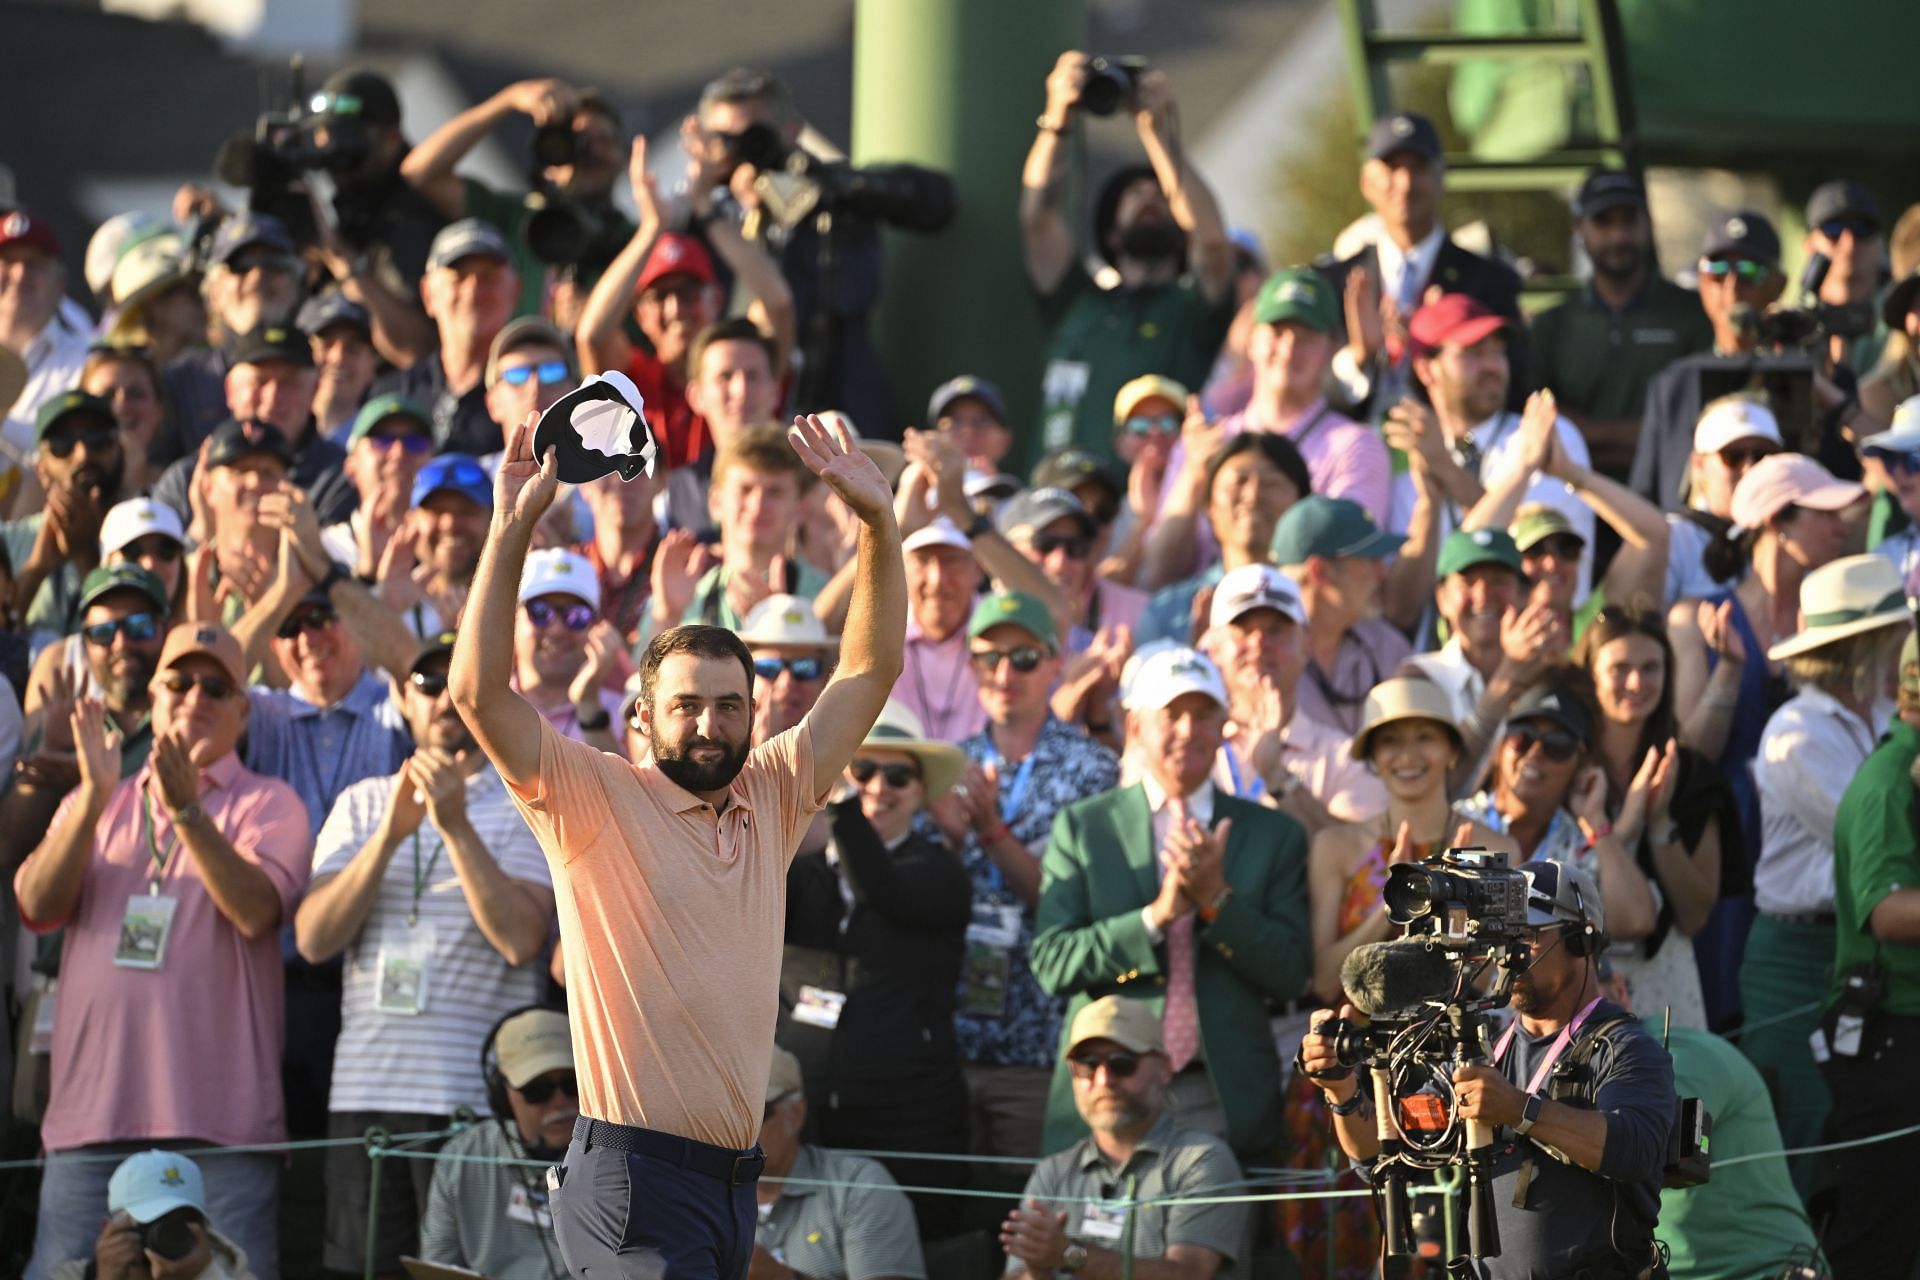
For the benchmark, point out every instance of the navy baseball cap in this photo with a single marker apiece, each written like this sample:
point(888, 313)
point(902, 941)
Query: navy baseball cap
point(246, 229)
point(465, 238)
point(357, 93)
point(455, 472)
point(324, 310)
point(1843, 199)
point(1403, 131)
point(961, 387)
point(1609, 189)
point(1746, 233)
point(231, 441)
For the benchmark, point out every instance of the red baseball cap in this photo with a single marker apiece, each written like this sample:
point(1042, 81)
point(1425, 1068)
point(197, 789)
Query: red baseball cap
point(676, 254)
point(1453, 317)
point(21, 227)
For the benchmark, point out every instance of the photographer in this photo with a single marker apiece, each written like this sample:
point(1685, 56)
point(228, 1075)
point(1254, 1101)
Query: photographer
point(1159, 228)
point(1576, 1182)
point(578, 144)
point(157, 1226)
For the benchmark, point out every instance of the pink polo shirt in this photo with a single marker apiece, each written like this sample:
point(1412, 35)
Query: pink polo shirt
point(192, 1049)
point(937, 684)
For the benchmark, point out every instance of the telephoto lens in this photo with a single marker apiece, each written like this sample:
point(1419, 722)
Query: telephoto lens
point(1110, 82)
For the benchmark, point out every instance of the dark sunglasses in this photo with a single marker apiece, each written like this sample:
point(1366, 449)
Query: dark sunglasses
point(550, 372)
point(1145, 425)
point(1077, 546)
point(1119, 1064)
point(898, 776)
point(1738, 459)
point(798, 668)
point(410, 441)
point(1749, 271)
point(1907, 461)
point(1556, 745)
point(318, 618)
point(283, 263)
point(157, 545)
point(577, 617)
point(135, 626)
point(1834, 228)
point(1023, 657)
point(182, 682)
point(431, 685)
point(543, 1089)
point(96, 439)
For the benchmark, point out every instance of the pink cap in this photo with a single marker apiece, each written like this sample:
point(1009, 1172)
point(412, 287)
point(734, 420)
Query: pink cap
point(1452, 317)
point(1782, 480)
point(676, 254)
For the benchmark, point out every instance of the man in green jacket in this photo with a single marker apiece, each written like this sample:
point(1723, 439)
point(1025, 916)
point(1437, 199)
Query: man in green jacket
point(1187, 899)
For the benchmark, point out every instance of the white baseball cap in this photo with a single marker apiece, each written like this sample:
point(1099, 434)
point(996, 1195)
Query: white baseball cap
point(1172, 672)
point(557, 571)
point(1903, 433)
point(940, 532)
point(151, 1184)
point(1734, 418)
point(786, 621)
point(1255, 586)
point(134, 519)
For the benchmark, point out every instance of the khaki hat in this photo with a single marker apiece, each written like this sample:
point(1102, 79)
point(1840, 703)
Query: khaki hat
point(785, 1078)
point(787, 622)
point(1128, 1023)
point(204, 637)
point(1535, 522)
point(1849, 596)
point(1403, 698)
point(532, 1043)
point(143, 272)
point(1145, 387)
point(898, 729)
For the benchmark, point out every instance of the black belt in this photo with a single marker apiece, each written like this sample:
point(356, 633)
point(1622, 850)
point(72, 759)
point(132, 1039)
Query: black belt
point(1801, 917)
point(731, 1167)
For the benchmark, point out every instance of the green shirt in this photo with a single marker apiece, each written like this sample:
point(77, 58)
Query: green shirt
point(1598, 361)
point(54, 605)
point(1102, 339)
point(850, 1232)
point(1873, 854)
point(508, 213)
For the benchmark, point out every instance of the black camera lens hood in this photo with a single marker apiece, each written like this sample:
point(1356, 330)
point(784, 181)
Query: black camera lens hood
point(598, 428)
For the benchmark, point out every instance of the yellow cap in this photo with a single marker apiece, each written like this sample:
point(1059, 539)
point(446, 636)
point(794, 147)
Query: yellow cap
point(1144, 387)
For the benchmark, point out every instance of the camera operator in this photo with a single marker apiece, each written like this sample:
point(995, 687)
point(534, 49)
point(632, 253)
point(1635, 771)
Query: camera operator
point(1576, 1183)
point(578, 146)
point(1159, 228)
point(157, 1227)
point(1843, 225)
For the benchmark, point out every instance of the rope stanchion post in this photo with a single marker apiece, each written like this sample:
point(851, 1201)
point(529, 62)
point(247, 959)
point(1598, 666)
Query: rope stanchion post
point(377, 1141)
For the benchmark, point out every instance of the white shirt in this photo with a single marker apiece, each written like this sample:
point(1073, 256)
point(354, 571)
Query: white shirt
point(1687, 576)
point(54, 359)
point(1199, 809)
point(1809, 752)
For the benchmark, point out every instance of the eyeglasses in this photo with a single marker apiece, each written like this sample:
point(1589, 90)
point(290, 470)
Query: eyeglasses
point(1556, 745)
point(898, 776)
point(431, 685)
point(181, 683)
point(1119, 1064)
point(98, 438)
point(1146, 425)
point(1834, 228)
point(1023, 657)
point(1749, 271)
point(318, 618)
point(798, 668)
point(543, 1089)
point(550, 373)
point(157, 546)
point(280, 263)
point(577, 617)
point(1738, 459)
point(411, 441)
point(1907, 461)
point(136, 627)
point(1076, 546)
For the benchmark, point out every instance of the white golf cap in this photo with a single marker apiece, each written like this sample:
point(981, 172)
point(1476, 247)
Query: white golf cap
point(788, 622)
point(941, 532)
point(1171, 673)
point(1255, 586)
point(134, 519)
point(1732, 419)
point(151, 1184)
point(557, 571)
point(1903, 433)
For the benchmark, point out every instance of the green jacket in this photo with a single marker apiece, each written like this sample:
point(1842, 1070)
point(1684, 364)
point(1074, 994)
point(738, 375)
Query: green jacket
point(1089, 941)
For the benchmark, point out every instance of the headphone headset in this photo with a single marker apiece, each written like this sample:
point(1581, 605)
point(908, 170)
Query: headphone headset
point(1583, 937)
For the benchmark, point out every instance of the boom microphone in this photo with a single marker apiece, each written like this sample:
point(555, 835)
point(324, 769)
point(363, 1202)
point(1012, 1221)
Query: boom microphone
point(1384, 977)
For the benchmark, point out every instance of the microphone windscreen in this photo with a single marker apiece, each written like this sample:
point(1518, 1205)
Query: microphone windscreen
point(1385, 977)
point(234, 161)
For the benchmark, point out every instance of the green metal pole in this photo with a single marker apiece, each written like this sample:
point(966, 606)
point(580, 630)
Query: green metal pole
point(376, 1140)
point(956, 85)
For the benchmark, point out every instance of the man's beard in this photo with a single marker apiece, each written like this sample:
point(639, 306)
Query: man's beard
point(1153, 241)
point(104, 478)
point(122, 690)
point(1619, 264)
point(1128, 1115)
point(690, 775)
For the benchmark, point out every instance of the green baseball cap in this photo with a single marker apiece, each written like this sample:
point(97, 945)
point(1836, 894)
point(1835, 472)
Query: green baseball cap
point(1019, 609)
point(70, 402)
point(380, 408)
point(1331, 527)
point(1297, 294)
point(109, 578)
point(1536, 522)
point(1463, 550)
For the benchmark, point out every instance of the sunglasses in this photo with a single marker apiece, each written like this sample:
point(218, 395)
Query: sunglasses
point(1749, 271)
point(798, 668)
point(316, 619)
point(543, 1089)
point(1165, 424)
point(577, 617)
point(1738, 459)
point(135, 627)
point(898, 776)
point(431, 685)
point(98, 438)
point(1076, 546)
point(1834, 228)
point(1906, 461)
point(156, 546)
point(550, 373)
point(181, 683)
point(1119, 1064)
point(1556, 745)
point(283, 263)
point(410, 441)
point(1023, 657)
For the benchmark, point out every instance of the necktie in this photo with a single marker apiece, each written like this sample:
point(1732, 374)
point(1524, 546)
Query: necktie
point(1181, 1021)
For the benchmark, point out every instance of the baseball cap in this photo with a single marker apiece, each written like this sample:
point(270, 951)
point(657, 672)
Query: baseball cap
point(215, 642)
point(1071, 467)
point(233, 440)
point(149, 1185)
point(787, 622)
point(112, 238)
point(1561, 894)
point(330, 307)
point(1298, 294)
point(1843, 199)
point(1127, 1022)
point(457, 472)
point(1464, 549)
point(109, 578)
point(1536, 522)
point(439, 645)
point(1332, 527)
point(1787, 479)
point(995, 486)
point(1255, 586)
point(1903, 433)
point(1545, 702)
point(1171, 672)
point(532, 1043)
point(1731, 419)
point(465, 238)
point(380, 408)
point(1608, 189)
point(129, 521)
point(960, 388)
point(674, 253)
point(939, 532)
point(526, 331)
point(1746, 233)
point(1143, 388)
point(274, 342)
point(1453, 318)
point(1403, 131)
point(360, 94)
point(558, 571)
point(71, 402)
point(1035, 509)
point(1018, 609)
point(245, 229)
point(145, 271)
point(22, 228)
point(784, 1077)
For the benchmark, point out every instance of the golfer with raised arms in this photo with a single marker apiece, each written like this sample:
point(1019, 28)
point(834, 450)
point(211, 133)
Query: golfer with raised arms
point(670, 881)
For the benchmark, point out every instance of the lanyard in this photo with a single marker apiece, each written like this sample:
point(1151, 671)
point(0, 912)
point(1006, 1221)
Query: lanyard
point(421, 878)
point(1565, 1038)
point(153, 848)
point(1245, 791)
point(1014, 796)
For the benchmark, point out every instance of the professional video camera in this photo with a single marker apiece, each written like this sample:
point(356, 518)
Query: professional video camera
point(794, 185)
point(1110, 82)
point(1813, 321)
point(271, 159)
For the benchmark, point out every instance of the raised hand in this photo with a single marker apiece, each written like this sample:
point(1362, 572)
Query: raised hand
point(1366, 329)
point(1199, 441)
point(1539, 423)
point(1199, 856)
point(677, 566)
point(603, 644)
point(524, 486)
point(546, 101)
point(831, 454)
point(1588, 798)
point(1717, 628)
point(1403, 850)
point(97, 749)
point(1412, 428)
point(1649, 802)
point(406, 803)
point(443, 783)
point(176, 769)
point(646, 187)
point(289, 511)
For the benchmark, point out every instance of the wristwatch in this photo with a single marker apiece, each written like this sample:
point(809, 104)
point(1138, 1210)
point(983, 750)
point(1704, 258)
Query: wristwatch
point(1529, 1114)
point(1073, 1257)
point(594, 723)
point(187, 814)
